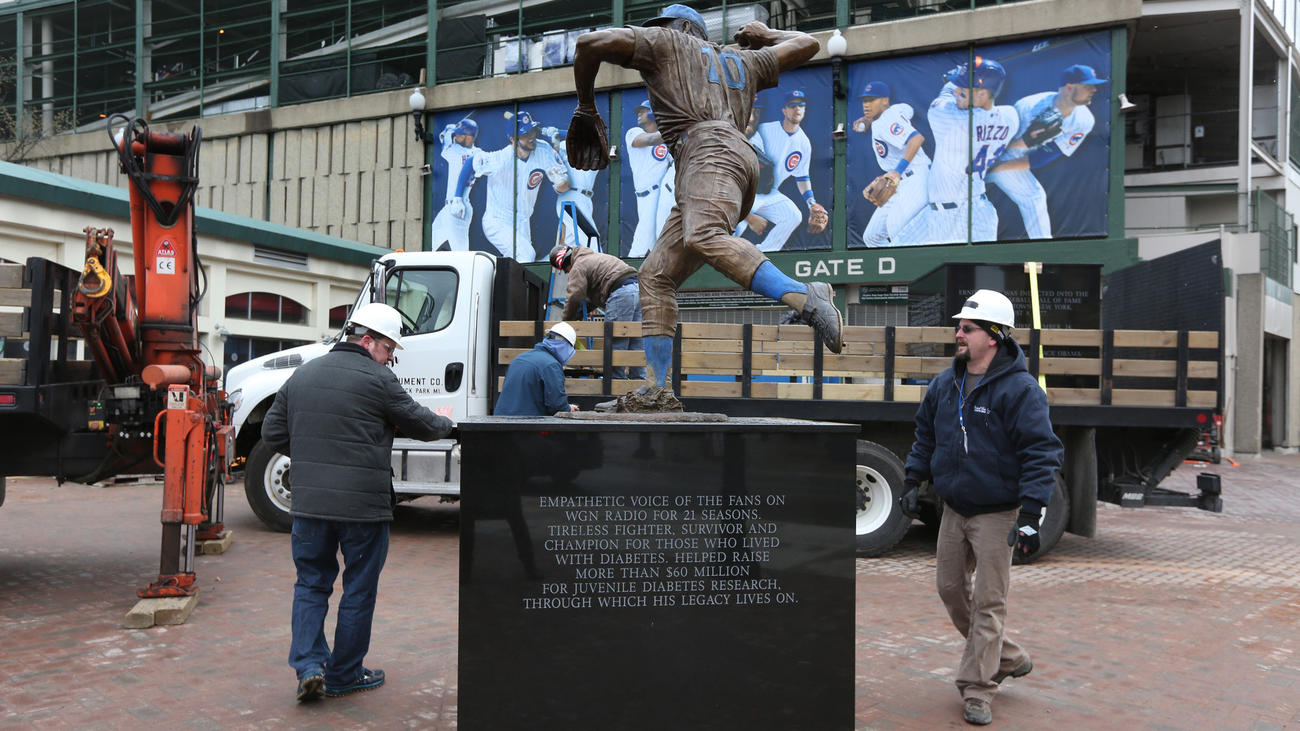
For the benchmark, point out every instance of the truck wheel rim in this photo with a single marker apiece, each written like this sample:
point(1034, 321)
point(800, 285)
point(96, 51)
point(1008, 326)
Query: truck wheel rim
point(276, 481)
point(874, 492)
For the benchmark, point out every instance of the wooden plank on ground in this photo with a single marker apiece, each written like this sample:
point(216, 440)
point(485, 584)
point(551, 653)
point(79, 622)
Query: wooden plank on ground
point(11, 276)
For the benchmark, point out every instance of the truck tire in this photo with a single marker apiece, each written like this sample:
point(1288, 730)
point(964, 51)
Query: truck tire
point(1053, 525)
point(266, 485)
point(881, 523)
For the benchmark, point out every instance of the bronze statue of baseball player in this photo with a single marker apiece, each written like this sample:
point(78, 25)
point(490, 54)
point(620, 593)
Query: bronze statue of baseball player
point(702, 94)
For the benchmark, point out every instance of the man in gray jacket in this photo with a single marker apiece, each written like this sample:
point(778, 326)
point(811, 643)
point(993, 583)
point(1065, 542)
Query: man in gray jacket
point(335, 419)
point(605, 281)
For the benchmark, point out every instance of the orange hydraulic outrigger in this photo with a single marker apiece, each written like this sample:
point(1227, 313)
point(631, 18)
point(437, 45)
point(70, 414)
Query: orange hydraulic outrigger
point(162, 399)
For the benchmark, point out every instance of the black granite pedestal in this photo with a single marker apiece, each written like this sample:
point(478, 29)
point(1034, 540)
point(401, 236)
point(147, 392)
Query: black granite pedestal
point(620, 575)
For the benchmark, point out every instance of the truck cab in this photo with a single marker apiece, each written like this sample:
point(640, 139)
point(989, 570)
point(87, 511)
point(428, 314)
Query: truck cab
point(445, 363)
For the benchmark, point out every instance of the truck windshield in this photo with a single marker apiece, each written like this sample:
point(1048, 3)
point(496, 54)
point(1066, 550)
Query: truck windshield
point(425, 297)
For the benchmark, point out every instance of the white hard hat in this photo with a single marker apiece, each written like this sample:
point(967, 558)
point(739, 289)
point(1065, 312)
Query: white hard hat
point(564, 330)
point(989, 306)
point(380, 318)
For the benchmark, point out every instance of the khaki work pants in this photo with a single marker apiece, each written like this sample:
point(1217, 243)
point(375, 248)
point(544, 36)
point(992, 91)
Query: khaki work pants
point(973, 574)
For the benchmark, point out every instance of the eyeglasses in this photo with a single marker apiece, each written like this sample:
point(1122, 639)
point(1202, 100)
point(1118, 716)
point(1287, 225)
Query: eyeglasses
point(966, 329)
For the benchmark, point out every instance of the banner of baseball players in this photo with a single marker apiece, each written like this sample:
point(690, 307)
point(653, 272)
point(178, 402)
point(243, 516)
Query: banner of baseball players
point(1005, 143)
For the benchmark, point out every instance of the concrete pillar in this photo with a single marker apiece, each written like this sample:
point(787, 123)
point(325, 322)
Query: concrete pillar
point(1292, 439)
point(1247, 395)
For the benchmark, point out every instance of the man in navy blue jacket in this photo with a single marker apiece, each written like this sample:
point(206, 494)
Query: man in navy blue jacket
point(534, 384)
point(984, 440)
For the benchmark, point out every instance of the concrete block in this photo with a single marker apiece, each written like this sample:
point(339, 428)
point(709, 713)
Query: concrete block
point(320, 201)
point(366, 199)
point(382, 187)
point(277, 143)
point(338, 136)
point(383, 145)
point(368, 139)
point(396, 194)
point(216, 545)
point(337, 205)
point(351, 147)
point(289, 149)
point(289, 213)
point(324, 146)
point(166, 610)
point(307, 152)
point(231, 175)
point(305, 187)
point(351, 196)
point(252, 158)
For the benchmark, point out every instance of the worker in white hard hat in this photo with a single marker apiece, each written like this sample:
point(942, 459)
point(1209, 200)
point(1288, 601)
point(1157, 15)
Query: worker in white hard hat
point(335, 419)
point(985, 443)
point(534, 384)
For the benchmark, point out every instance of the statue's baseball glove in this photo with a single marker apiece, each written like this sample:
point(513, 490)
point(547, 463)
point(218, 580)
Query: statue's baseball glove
point(818, 218)
point(1044, 127)
point(588, 143)
point(880, 190)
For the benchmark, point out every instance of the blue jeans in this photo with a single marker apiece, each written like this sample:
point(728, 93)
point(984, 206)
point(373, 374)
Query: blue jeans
point(624, 305)
point(316, 544)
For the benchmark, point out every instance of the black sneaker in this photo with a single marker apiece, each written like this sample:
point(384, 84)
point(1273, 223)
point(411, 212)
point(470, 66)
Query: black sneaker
point(977, 712)
point(311, 686)
point(1019, 672)
point(369, 679)
point(820, 313)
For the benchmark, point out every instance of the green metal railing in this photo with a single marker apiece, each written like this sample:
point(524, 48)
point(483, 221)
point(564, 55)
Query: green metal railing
point(66, 65)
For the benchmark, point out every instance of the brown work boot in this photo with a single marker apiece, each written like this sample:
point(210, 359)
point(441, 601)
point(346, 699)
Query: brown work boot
point(819, 311)
point(1020, 672)
point(977, 711)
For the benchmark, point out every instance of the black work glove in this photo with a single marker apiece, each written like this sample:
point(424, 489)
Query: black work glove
point(1025, 535)
point(908, 500)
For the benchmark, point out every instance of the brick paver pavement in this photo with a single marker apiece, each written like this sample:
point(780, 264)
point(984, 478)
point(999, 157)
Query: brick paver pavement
point(1168, 619)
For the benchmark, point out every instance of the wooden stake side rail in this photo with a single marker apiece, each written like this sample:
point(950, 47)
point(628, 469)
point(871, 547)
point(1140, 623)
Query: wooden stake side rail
point(26, 310)
point(783, 359)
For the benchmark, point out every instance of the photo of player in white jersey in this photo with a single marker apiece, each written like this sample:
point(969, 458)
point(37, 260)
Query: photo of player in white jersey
point(652, 179)
point(970, 132)
point(786, 144)
point(897, 146)
point(451, 225)
point(1063, 122)
point(574, 207)
point(514, 176)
